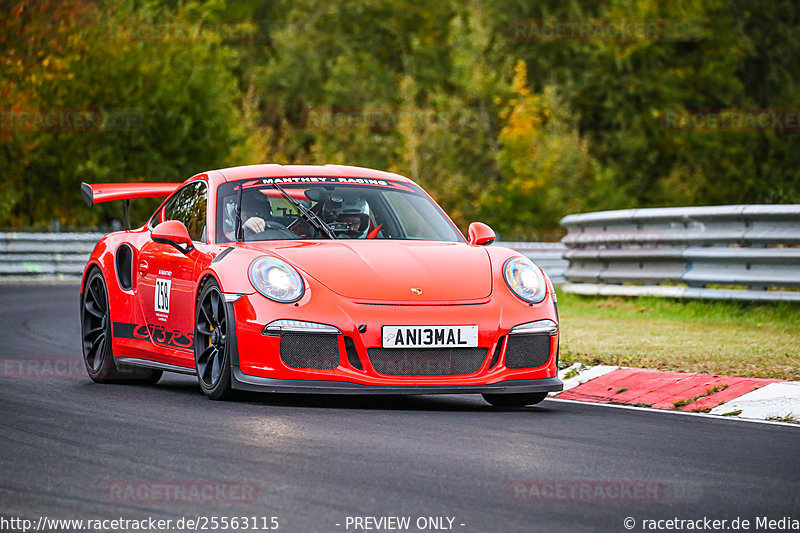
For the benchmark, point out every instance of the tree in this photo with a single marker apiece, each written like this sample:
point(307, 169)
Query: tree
point(114, 96)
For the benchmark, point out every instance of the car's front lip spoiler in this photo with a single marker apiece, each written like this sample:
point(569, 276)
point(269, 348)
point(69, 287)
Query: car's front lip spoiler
point(242, 381)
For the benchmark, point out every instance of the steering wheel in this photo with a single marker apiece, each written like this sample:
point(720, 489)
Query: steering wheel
point(271, 234)
point(271, 224)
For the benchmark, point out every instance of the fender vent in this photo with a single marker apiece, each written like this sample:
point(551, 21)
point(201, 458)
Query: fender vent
point(303, 351)
point(123, 260)
point(527, 351)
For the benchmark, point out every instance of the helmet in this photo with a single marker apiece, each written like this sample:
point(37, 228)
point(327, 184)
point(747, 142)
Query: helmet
point(351, 219)
point(256, 203)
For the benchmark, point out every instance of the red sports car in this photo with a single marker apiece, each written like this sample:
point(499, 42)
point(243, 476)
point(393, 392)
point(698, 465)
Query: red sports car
point(314, 279)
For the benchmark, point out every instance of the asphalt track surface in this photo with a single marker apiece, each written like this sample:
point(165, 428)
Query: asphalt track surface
point(67, 444)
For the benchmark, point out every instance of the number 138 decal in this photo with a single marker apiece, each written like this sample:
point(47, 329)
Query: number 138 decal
point(163, 287)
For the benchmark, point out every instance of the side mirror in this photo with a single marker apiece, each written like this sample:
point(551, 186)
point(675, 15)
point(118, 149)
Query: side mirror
point(480, 234)
point(173, 232)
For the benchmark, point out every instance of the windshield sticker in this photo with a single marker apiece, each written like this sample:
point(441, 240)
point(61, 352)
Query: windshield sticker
point(323, 179)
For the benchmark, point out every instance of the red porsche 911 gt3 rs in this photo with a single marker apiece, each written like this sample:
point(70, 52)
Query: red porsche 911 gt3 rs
point(314, 279)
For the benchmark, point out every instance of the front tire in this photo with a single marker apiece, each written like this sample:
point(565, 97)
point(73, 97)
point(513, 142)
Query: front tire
point(211, 351)
point(515, 400)
point(98, 355)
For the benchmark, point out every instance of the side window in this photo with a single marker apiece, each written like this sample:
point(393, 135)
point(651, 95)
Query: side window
point(414, 215)
point(189, 206)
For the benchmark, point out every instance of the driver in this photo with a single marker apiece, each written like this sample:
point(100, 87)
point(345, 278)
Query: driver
point(256, 210)
point(351, 220)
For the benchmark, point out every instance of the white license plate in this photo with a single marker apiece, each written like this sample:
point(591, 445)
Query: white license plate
point(430, 336)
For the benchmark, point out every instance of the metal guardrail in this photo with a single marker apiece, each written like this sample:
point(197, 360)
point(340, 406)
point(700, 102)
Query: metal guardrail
point(45, 256)
point(59, 256)
point(747, 252)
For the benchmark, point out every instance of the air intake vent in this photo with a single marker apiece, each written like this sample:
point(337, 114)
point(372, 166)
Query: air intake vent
point(427, 361)
point(497, 351)
point(352, 354)
point(527, 351)
point(304, 351)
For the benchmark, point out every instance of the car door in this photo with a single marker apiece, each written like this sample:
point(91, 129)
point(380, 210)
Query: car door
point(166, 275)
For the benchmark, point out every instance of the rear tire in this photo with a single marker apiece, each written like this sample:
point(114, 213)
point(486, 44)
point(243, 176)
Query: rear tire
point(211, 351)
point(515, 400)
point(98, 353)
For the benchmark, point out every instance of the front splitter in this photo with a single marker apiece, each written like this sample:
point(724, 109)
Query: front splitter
point(242, 381)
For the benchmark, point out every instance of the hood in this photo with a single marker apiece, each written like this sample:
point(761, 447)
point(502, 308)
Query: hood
point(385, 270)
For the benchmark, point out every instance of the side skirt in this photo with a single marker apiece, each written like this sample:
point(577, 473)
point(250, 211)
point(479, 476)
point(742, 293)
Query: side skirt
point(132, 361)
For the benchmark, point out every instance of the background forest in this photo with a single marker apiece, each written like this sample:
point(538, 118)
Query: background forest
point(514, 113)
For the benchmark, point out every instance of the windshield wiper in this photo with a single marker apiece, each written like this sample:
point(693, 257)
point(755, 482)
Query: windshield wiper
point(238, 229)
point(308, 214)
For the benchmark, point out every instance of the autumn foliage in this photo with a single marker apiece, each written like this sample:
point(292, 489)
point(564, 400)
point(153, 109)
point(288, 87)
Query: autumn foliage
point(512, 113)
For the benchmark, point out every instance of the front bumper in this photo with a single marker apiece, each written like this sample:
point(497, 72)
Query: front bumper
point(258, 361)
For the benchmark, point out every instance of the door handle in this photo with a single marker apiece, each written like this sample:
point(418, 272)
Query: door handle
point(144, 268)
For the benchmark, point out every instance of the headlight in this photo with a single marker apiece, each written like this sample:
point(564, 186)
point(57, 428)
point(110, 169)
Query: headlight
point(276, 279)
point(525, 279)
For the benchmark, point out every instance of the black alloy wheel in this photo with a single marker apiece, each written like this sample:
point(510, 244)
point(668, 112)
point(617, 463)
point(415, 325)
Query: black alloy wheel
point(211, 353)
point(96, 338)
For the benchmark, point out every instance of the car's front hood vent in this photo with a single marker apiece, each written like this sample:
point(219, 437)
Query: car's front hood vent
point(396, 271)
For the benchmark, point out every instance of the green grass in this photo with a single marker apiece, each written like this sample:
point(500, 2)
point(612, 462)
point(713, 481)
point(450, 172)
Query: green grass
point(709, 391)
point(787, 418)
point(712, 337)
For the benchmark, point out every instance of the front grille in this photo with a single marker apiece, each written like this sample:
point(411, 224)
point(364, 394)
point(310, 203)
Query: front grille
point(426, 361)
point(527, 351)
point(304, 350)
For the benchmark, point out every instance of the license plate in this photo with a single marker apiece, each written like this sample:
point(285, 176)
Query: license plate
point(430, 336)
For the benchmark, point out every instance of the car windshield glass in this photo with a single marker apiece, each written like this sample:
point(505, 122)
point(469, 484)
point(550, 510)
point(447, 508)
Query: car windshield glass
point(325, 207)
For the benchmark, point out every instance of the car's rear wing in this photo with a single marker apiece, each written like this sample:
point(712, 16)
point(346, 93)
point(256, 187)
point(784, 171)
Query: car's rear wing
point(96, 193)
point(106, 192)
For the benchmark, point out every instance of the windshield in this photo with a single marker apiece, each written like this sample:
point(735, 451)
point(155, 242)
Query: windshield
point(328, 207)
